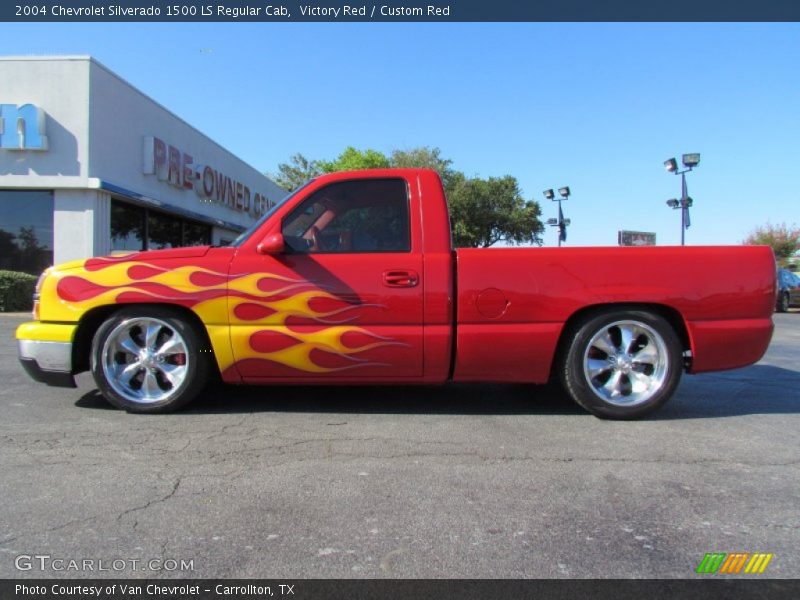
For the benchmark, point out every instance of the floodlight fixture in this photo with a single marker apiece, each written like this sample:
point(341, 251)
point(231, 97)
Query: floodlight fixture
point(560, 222)
point(691, 160)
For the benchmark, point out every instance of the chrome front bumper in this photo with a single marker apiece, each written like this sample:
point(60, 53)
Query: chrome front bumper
point(47, 362)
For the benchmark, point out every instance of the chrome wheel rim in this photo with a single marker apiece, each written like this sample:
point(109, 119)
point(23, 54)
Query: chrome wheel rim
point(626, 363)
point(145, 360)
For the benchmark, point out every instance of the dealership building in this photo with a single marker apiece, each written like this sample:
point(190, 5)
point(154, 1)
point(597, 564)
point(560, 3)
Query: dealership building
point(90, 165)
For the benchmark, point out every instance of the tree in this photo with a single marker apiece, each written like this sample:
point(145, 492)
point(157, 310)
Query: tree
point(296, 172)
point(355, 160)
point(785, 241)
point(487, 211)
point(428, 158)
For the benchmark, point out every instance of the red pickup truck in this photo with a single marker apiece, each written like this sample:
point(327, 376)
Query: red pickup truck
point(353, 279)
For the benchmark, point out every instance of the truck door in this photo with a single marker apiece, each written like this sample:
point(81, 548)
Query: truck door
point(345, 298)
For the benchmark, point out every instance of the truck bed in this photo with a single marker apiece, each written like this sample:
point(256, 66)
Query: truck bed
point(513, 303)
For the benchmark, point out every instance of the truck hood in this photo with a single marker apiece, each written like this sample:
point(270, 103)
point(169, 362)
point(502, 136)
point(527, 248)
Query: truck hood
point(149, 256)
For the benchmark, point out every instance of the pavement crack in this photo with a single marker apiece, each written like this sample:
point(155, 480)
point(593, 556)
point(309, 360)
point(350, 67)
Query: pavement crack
point(226, 428)
point(51, 529)
point(68, 523)
point(150, 503)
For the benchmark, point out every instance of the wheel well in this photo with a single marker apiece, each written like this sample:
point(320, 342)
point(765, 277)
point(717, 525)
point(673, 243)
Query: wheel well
point(90, 322)
point(672, 316)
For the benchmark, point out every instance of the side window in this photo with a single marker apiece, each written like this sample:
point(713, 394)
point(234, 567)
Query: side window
point(367, 215)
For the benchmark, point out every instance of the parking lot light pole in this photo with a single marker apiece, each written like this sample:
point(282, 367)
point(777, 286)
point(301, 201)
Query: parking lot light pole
point(560, 222)
point(690, 161)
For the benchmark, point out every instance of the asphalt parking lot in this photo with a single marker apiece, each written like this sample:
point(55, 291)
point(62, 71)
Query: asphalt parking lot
point(482, 481)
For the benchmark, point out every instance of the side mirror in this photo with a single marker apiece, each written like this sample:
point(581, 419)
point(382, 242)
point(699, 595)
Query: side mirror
point(271, 244)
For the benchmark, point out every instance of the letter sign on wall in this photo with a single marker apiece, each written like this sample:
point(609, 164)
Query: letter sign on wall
point(22, 127)
point(170, 165)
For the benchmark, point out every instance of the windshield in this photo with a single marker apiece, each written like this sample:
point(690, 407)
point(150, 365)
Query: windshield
point(250, 230)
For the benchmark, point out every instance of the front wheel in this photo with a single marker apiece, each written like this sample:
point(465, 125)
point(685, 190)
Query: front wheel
point(148, 360)
point(622, 364)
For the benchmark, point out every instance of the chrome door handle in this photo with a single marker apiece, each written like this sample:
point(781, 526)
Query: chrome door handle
point(400, 278)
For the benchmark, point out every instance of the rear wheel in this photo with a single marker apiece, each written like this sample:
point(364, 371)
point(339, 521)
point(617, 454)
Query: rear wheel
point(149, 360)
point(783, 303)
point(622, 364)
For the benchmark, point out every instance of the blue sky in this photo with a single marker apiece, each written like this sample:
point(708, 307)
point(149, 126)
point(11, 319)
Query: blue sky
point(598, 107)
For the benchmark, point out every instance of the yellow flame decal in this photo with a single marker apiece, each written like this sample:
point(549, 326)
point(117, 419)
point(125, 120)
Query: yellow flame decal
point(239, 312)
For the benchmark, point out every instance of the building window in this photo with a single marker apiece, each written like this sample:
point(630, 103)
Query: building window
point(26, 230)
point(196, 234)
point(163, 231)
point(137, 228)
point(127, 226)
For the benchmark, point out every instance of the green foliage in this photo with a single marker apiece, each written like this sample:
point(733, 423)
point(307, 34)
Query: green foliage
point(425, 158)
point(16, 291)
point(785, 241)
point(482, 211)
point(487, 211)
point(296, 172)
point(355, 160)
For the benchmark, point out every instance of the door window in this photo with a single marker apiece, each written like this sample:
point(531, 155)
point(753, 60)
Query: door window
point(364, 216)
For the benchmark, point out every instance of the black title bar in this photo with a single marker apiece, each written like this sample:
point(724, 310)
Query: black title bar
point(275, 11)
point(313, 589)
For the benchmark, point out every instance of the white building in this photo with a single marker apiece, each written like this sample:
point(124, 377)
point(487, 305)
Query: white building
point(89, 164)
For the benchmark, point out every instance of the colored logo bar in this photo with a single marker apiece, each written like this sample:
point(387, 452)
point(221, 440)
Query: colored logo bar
point(734, 563)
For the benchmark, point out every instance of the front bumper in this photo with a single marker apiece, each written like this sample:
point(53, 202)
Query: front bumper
point(45, 352)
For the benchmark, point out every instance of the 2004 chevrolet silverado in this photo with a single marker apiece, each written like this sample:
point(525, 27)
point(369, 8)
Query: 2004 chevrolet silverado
point(353, 279)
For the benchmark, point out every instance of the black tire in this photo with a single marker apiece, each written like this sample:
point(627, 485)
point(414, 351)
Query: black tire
point(164, 375)
point(598, 380)
point(783, 303)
